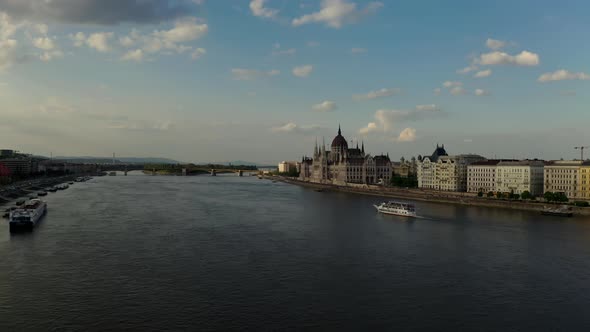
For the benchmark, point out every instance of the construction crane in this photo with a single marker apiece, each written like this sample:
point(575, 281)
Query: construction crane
point(581, 148)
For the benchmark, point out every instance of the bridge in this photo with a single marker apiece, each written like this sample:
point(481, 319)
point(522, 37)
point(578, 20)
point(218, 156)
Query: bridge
point(173, 169)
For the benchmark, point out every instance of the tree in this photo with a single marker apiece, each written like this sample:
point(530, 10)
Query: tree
point(499, 195)
point(560, 197)
point(549, 196)
point(490, 194)
point(480, 194)
point(526, 195)
point(515, 196)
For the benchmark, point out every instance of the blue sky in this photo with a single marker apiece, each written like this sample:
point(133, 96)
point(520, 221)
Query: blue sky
point(260, 80)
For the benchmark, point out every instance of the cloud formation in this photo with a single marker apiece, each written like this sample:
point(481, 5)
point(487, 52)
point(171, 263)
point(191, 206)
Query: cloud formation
point(384, 92)
point(291, 127)
point(562, 75)
point(495, 44)
point(325, 106)
point(303, 71)
point(524, 58)
point(386, 120)
point(242, 74)
point(103, 12)
point(258, 8)
point(407, 135)
point(336, 13)
point(481, 92)
point(483, 73)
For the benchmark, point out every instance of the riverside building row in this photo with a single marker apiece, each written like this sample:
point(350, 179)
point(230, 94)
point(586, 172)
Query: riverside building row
point(473, 173)
point(440, 171)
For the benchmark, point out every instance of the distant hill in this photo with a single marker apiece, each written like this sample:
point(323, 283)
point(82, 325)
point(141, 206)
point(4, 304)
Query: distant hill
point(124, 160)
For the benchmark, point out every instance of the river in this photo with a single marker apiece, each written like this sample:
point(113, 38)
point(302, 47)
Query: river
point(225, 253)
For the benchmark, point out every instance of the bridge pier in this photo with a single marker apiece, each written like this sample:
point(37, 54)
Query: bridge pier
point(240, 173)
point(213, 172)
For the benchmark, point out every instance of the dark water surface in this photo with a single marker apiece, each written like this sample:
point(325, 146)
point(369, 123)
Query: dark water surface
point(199, 253)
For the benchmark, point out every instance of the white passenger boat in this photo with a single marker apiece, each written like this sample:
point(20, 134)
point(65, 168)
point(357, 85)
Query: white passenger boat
point(397, 208)
point(28, 215)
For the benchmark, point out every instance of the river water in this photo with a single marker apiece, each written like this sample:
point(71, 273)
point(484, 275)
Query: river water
point(225, 253)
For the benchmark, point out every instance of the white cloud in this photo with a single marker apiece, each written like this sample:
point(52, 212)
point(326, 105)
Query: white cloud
point(292, 127)
point(495, 44)
point(481, 92)
point(131, 39)
point(313, 44)
point(44, 43)
point(50, 55)
point(561, 75)
point(371, 127)
point(135, 55)
point(242, 74)
point(385, 92)
point(524, 58)
point(483, 73)
point(358, 50)
point(450, 84)
point(258, 9)
point(184, 30)
point(325, 106)
point(7, 53)
point(8, 46)
point(336, 13)
point(78, 39)
point(199, 52)
point(7, 27)
point(407, 135)
point(437, 91)
point(467, 69)
point(387, 119)
point(303, 71)
point(458, 91)
point(100, 41)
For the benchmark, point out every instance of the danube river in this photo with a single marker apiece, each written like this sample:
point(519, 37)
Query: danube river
point(201, 253)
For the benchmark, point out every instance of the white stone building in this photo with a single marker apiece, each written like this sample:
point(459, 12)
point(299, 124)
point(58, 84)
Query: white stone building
point(481, 175)
point(565, 176)
point(443, 172)
point(287, 166)
point(520, 176)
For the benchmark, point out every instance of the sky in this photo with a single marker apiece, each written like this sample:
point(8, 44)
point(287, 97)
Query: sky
point(261, 80)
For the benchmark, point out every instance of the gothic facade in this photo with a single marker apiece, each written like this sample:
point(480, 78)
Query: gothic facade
point(342, 165)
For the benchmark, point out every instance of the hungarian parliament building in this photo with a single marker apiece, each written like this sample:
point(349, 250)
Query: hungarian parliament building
point(342, 165)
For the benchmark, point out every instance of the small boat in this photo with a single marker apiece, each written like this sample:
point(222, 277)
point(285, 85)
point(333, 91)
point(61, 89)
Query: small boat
point(42, 193)
point(71, 182)
point(397, 208)
point(319, 190)
point(562, 211)
point(28, 215)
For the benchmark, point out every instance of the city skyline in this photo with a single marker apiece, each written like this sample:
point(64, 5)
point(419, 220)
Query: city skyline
point(199, 81)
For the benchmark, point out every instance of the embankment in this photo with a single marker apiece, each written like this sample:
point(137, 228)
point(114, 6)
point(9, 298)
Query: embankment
point(431, 196)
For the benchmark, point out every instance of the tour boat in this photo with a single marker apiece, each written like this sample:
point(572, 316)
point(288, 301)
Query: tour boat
point(397, 208)
point(28, 215)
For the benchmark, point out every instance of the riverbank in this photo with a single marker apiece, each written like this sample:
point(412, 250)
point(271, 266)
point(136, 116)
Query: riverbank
point(14, 192)
point(431, 196)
